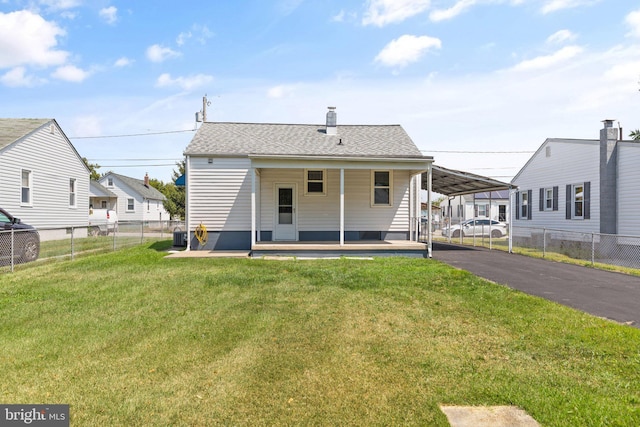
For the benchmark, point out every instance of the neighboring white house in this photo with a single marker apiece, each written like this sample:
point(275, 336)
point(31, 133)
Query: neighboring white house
point(256, 182)
point(44, 180)
point(101, 197)
point(581, 185)
point(136, 199)
point(487, 204)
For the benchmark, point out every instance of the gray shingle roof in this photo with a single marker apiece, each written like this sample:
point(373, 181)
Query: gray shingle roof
point(98, 190)
point(138, 186)
point(13, 129)
point(241, 139)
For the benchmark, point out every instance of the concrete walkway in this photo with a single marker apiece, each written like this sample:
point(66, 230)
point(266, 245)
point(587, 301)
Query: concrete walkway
point(601, 293)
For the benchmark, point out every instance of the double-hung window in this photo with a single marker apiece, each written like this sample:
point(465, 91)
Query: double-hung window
point(578, 201)
point(72, 193)
point(26, 197)
point(315, 182)
point(130, 205)
point(381, 190)
point(524, 205)
point(548, 199)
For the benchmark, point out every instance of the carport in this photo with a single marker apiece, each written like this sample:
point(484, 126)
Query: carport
point(450, 182)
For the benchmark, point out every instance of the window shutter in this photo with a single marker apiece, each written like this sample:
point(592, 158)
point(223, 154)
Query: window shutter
point(517, 205)
point(530, 210)
point(568, 206)
point(541, 201)
point(587, 200)
point(555, 198)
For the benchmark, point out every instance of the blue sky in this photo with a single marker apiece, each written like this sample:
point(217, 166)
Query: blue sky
point(478, 84)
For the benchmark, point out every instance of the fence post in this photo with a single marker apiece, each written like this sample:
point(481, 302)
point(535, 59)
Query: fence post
point(115, 232)
point(12, 251)
point(72, 243)
point(593, 248)
point(544, 242)
point(141, 231)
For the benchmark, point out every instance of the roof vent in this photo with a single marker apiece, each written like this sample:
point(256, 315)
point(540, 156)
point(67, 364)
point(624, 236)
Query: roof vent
point(332, 128)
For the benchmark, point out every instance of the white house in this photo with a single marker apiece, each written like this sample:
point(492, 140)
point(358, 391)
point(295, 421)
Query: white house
point(252, 183)
point(101, 197)
point(584, 185)
point(44, 180)
point(136, 199)
point(487, 204)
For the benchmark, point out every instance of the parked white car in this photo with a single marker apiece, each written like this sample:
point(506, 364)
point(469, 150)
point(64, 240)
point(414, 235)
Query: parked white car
point(102, 221)
point(476, 227)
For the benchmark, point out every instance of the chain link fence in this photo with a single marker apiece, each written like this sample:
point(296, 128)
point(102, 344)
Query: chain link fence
point(613, 249)
point(20, 248)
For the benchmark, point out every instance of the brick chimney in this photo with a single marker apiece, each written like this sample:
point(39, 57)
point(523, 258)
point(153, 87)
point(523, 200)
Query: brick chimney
point(608, 178)
point(146, 179)
point(332, 127)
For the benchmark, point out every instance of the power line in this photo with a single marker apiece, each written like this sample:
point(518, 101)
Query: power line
point(132, 160)
point(477, 152)
point(133, 134)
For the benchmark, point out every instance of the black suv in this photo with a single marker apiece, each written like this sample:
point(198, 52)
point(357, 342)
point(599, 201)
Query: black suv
point(26, 240)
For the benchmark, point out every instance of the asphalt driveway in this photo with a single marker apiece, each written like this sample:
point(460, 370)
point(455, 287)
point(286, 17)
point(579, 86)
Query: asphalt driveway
point(605, 294)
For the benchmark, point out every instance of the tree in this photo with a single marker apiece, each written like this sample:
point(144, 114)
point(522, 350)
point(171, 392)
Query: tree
point(635, 134)
point(175, 196)
point(93, 169)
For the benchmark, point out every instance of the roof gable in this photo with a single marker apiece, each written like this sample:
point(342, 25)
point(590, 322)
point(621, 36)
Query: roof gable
point(244, 139)
point(138, 186)
point(12, 130)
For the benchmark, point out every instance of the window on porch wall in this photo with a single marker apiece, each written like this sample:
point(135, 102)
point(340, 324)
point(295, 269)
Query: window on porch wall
point(381, 192)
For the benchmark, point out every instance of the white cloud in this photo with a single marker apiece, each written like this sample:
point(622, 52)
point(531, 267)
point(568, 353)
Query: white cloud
point(157, 53)
point(560, 37)
point(281, 91)
point(27, 39)
point(455, 10)
point(17, 77)
point(60, 4)
point(185, 83)
point(183, 37)
point(383, 12)
point(556, 5)
point(633, 21)
point(339, 17)
point(109, 14)
point(200, 33)
point(548, 61)
point(123, 62)
point(406, 49)
point(70, 73)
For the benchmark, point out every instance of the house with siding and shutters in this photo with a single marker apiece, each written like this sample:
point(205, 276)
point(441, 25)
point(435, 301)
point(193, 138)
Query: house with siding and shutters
point(136, 200)
point(581, 185)
point(253, 184)
point(44, 180)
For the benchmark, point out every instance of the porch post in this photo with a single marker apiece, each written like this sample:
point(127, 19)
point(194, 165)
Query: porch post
point(253, 207)
point(187, 224)
point(341, 206)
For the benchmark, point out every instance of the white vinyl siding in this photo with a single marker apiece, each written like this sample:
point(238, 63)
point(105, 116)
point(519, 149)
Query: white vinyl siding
point(628, 196)
point(323, 213)
point(51, 161)
point(548, 171)
point(220, 193)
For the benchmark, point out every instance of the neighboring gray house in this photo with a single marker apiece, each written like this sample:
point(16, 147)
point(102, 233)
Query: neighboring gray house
point(44, 180)
point(101, 197)
point(584, 185)
point(248, 183)
point(136, 199)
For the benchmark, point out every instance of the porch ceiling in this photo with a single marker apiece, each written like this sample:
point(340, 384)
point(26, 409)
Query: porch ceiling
point(451, 182)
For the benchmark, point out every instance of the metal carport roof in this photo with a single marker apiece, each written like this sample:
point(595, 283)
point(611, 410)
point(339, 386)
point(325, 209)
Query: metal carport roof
point(454, 183)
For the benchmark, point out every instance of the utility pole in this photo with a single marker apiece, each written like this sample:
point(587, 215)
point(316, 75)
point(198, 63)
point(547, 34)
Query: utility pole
point(204, 107)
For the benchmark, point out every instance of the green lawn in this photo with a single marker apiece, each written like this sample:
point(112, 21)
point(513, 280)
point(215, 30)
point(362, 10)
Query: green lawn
point(130, 338)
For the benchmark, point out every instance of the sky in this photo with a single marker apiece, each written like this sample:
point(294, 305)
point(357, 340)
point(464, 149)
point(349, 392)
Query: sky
point(477, 84)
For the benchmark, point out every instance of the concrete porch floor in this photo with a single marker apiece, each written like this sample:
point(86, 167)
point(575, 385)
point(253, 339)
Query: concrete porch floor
point(360, 245)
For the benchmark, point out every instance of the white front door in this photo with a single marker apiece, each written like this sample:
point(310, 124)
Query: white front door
point(286, 224)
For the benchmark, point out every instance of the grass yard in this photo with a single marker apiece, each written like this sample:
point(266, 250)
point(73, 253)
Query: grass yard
point(130, 338)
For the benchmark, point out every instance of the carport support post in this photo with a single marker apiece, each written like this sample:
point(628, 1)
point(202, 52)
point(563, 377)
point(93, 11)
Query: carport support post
point(429, 190)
